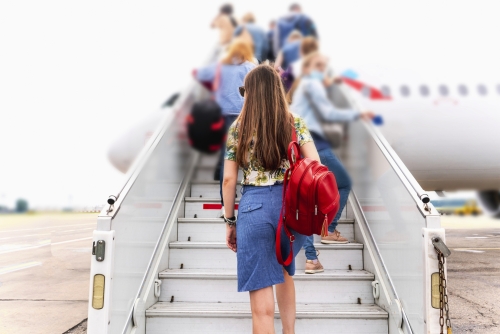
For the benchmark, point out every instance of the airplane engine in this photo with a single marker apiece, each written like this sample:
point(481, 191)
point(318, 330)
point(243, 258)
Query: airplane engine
point(490, 202)
point(125, 149)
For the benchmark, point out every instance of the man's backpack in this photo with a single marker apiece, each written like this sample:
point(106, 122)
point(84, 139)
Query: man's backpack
point(310, 199)
point(205, 125)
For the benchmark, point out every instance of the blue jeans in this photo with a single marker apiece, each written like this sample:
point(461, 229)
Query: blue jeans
point(343, 183)
point(229, 120)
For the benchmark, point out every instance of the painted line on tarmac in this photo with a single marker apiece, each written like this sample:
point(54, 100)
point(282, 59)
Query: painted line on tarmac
point(18, 267)
point(44, 228)
point(37, 235)
point(481, 248)
point(24, 236)
point(68, 241)
point(43, 245)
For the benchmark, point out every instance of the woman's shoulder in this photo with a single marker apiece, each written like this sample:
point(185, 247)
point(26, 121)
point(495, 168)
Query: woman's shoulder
point(249, 64)
point(298, 121)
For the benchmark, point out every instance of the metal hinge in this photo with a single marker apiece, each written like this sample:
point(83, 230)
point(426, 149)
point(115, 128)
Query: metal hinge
point(98, 249)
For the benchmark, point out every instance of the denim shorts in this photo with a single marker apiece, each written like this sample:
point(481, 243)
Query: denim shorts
point(258, 215)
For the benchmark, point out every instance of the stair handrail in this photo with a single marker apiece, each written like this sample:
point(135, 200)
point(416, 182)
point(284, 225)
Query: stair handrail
point(400, 168)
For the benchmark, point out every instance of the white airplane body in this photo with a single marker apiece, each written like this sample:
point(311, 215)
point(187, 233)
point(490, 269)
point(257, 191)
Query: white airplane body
point(447, 137)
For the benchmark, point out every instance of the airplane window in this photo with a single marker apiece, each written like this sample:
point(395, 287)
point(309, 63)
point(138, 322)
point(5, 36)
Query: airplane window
point(443, 90)
point(405, 91)
point(387, 91)
point(462, 89)
point(365, 91)
point(481, 89)
point(424, 90)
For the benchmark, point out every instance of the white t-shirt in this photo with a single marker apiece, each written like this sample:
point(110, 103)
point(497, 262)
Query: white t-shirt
point(297, 68)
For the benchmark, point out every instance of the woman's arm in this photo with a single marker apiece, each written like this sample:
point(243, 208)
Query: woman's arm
point(229, 194)
point(279, 61)
point(317, 95)
point(309, 150)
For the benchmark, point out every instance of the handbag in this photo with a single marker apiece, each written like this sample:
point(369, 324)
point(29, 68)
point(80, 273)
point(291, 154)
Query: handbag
point(333, 132)
point(310, 199)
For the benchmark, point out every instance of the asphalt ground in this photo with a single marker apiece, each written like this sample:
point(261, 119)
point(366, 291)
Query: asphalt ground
point(45, 263)
point(44, 271)
point(473, 273)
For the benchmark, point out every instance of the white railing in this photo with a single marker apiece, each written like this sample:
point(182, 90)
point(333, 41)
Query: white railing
point(137, 223)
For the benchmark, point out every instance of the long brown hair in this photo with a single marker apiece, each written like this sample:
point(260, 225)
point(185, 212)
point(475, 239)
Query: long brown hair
point(264, 119)
point(306, 62)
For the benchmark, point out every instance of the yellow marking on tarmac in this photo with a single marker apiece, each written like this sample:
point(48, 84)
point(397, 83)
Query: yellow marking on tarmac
point(43, 245)
point(18, 267)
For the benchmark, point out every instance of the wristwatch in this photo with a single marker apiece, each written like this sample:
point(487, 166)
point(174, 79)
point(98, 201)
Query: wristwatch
point(230, 221)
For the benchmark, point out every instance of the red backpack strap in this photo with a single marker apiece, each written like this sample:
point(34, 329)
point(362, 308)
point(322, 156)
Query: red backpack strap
point(293, 148)
point(281, 226)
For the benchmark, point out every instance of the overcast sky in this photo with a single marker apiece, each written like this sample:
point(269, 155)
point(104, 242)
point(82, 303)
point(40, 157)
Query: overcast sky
point(74, 75)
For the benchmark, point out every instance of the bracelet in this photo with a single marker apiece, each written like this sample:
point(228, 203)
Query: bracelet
point(230, 221)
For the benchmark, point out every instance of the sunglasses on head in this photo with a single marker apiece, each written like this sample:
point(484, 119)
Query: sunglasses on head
point(242, 90)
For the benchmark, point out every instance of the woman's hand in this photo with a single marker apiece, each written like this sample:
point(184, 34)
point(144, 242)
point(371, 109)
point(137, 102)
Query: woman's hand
point(231, 237)
point(367, 115)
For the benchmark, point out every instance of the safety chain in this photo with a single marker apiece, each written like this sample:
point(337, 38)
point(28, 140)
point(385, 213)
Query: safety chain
point(443, 295)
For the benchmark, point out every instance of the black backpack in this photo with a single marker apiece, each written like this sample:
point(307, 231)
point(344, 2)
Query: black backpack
point(206, 128)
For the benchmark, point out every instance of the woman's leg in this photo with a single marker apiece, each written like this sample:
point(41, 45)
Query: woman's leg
point(309, 248)
point(285, 294)
point(262, 305)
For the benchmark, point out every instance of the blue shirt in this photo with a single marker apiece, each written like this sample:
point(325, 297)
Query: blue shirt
point(258, 37)
point(317, 93)
point(291, 52)
point(231, 77)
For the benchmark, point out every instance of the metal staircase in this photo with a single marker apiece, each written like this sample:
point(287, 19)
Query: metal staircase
point(161, 264)
point(199, 290)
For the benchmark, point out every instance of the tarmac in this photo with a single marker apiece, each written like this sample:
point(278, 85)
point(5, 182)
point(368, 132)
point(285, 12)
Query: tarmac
point(45, 264)
point(473, 273)
point(44, 271)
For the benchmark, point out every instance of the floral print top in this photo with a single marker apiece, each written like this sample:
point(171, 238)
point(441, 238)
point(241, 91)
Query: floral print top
point(254, 174)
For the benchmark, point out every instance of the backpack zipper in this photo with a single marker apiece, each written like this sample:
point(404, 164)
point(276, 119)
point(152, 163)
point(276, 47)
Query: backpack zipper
point(316, 193)
point(298, 187)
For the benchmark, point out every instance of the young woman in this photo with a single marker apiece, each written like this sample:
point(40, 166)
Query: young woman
point(257, 142)
point(227, 77)
point(310, 88)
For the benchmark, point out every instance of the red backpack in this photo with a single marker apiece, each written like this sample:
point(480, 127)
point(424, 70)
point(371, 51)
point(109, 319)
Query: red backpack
point(310, 199)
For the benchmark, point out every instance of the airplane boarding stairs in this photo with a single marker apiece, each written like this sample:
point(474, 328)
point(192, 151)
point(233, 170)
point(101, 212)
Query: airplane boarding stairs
point(161, 264)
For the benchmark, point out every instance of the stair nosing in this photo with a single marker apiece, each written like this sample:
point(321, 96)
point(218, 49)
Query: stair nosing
point(367, 311)
point(230, 274)
point(205, 199)
point(185, 220)
point(222, 245)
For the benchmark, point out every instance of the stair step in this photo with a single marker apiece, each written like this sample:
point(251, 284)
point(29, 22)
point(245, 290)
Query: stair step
point(210, 189)
point(204, 207)
point(235, 318)
point(214, 229)
point(210, 207)
point(201, 255)
point(220, 285)
point(206, 173)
